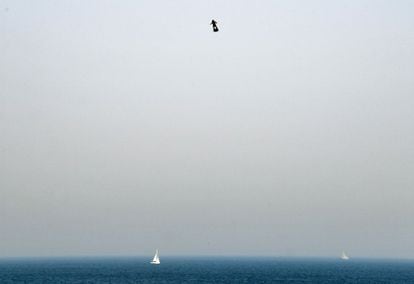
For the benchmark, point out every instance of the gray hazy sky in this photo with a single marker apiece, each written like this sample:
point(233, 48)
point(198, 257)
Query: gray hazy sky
point(130, 125)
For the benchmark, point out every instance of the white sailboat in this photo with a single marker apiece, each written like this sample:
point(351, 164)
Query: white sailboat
point(156, 259)
point(344, 256)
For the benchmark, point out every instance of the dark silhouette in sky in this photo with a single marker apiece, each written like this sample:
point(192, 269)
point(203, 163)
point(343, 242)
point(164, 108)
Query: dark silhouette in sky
point(214, 23)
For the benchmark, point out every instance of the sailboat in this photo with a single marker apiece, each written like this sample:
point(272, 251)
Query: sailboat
point(344, 256)
point(156, 259)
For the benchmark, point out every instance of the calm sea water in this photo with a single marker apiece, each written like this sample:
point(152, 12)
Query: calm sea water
point(204, 270)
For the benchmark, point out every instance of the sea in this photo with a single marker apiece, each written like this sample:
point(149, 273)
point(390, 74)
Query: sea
point(204, 270)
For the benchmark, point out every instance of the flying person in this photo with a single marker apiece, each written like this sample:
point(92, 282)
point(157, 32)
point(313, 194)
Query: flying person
point(214, 23)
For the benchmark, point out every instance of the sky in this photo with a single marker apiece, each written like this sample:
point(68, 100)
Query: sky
point(127, 126)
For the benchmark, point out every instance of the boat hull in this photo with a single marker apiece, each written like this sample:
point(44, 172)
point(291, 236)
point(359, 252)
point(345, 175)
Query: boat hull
point(155, 262)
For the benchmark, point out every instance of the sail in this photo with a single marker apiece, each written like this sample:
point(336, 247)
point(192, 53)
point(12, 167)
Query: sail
point(156, 258)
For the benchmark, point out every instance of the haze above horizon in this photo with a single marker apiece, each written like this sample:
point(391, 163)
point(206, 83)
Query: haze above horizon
point(127, 126)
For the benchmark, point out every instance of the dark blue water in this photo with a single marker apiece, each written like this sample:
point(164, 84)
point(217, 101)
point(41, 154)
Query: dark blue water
point(204, 270)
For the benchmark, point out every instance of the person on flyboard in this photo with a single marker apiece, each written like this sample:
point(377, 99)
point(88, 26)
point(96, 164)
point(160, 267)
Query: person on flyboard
point(214, 24)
